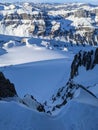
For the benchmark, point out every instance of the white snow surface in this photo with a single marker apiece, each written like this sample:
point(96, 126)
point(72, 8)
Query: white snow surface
point(75, 116)
point(86, 98)
point(35, 70)
point(87, 78)
point(25, 54)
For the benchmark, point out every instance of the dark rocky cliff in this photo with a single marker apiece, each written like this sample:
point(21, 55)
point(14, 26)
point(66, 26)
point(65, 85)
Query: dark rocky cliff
point(87, 59)
point(7, 88)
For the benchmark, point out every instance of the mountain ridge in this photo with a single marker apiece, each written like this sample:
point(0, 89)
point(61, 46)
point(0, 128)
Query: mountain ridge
point(72, 23)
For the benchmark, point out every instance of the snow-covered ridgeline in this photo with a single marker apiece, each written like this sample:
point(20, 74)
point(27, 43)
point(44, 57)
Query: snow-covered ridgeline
point(76, 24)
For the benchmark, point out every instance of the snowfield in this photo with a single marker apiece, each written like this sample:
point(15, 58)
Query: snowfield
point(75, 116)
point(38, 78)
point(38, 70)
point(87, 78)
point(25, 54)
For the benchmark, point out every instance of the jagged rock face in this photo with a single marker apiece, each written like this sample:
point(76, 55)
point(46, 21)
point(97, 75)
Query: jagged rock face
point(31, 102)
point(67, 93)
point(7, 89)
point(96, 57)
point(96, 12)
point(81, 13)
point(86, 59)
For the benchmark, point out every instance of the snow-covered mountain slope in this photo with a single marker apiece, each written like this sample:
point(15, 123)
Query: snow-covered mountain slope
point(32, 77)
point(34, 69)
point(48, 80)
point(82, 81)
point(74, 23)
point(76, 116)
point(38, 75)
point(39, 79)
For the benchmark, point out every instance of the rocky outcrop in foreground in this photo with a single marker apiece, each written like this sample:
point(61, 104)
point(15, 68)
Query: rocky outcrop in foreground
point(7, 88)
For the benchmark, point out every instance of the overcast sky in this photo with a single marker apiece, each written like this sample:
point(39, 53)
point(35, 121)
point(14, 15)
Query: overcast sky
point(58, 1)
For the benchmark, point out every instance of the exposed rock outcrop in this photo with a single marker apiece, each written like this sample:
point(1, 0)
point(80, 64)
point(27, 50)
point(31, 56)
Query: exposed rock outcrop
point(81, 13)
point(31, 102)
point(7, 88)
point(87, 59)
